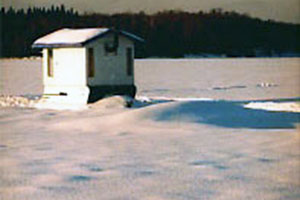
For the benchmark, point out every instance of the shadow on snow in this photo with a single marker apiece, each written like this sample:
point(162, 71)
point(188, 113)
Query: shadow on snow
point(227, 114)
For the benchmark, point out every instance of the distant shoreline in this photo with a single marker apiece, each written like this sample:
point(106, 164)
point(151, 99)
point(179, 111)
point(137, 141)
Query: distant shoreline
point(163, 58)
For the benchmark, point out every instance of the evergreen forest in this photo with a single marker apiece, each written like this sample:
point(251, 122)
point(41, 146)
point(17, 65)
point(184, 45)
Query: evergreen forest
point(167, 34)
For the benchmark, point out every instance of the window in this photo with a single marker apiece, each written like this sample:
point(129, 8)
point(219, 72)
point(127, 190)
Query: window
point(50, 63)
point(90, 62)
point(129, 61)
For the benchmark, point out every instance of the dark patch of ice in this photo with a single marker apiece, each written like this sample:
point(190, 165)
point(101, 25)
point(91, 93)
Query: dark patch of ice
point(145, 172)
point(91, 167)
point(79, 178)
point(266, 160)
point(202, 162)
point(220, 167)
point(237, 178)
point(123, 134)
point(57, 189)
point(230, 87)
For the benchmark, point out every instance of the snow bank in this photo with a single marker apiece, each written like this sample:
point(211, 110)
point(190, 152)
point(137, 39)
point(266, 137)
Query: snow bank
point(36, 102)
point(59, 106)
point(113, 102)
point(17, 101)
point(51, 155)
point(162, 98)
point(274, 106)
point(229, 114)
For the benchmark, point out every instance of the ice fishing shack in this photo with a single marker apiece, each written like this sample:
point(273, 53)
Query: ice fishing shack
point(84, 65)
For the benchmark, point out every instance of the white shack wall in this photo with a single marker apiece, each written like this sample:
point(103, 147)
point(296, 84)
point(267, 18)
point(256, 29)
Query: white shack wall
point(111, 69)
point(68, 67)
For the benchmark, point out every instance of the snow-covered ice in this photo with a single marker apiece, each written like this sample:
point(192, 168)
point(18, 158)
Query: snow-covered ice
point(275, 106)
point(181, 139)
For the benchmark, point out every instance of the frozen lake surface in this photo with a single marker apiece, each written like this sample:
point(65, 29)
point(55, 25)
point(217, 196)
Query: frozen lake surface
point(242, 79)
point(182, 145)
point(231, 79)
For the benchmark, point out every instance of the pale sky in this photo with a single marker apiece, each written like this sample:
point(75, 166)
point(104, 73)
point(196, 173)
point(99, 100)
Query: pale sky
point(280, 10)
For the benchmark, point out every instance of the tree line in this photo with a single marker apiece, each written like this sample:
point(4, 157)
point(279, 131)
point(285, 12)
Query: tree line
point(167, 33)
